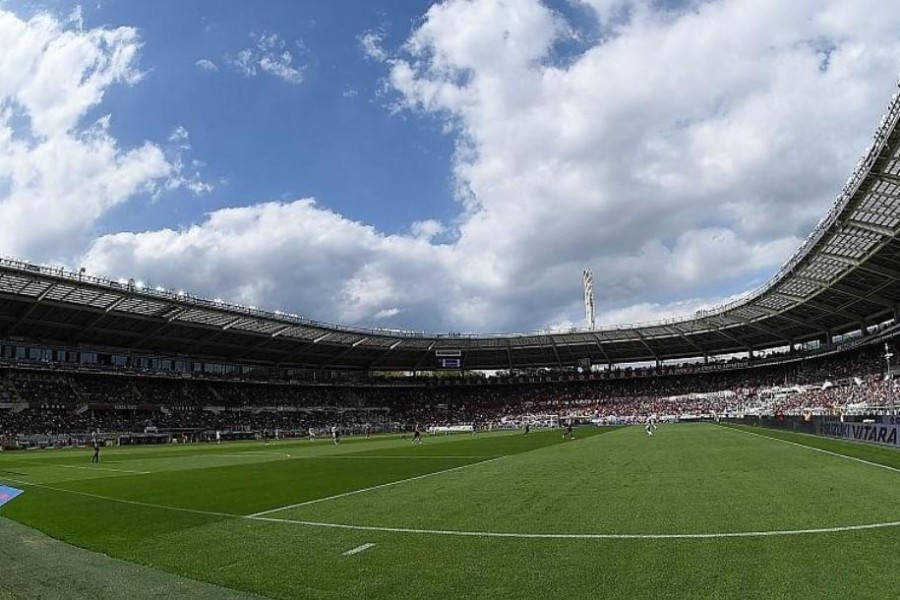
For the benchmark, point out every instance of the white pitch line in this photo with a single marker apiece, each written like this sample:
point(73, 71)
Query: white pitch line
point(838, 454)
point(358, 549)
point(369, 489)
point(405, 457)
point(101, 469)
point(368, 457)
point(584, 536)
point(254, 455)
point(484, 534)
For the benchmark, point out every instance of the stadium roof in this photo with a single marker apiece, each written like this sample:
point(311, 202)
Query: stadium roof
point(845, 276)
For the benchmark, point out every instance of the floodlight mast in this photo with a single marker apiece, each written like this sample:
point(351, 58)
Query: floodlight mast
point(889, 379)
point(587, 278)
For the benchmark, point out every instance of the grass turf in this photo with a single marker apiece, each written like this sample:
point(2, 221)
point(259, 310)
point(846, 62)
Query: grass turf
point(178, 515)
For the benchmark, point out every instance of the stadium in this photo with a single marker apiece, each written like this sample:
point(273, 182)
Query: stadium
point(157, 443)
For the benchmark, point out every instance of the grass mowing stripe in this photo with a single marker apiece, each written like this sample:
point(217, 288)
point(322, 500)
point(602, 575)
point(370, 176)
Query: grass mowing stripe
point(480, 534)
point(369, 489)
point(100, 469)
point(814, 449)
point(694, 479)
point(195, 511)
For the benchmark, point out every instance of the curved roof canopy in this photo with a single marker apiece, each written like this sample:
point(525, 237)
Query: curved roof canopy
point(846, 275)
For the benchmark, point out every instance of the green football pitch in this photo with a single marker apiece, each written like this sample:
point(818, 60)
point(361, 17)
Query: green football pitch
point(697, 510)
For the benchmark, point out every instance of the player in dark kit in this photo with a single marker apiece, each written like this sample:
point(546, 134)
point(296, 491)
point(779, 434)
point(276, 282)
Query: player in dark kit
point(527, 428)
point(417, 435)
point(95, 459)
point(568, 433)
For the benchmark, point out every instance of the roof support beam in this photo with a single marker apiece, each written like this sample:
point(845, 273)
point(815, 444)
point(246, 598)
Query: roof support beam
point(818, 282)
point(96, 320)
point(769, 330)
point(835, 311)
point(555, 352)
point(793, 320)
point(213, 336)
point(231, 323)
point(375, 360)
point(31, 309)
point(162, 326)
point(646, 345)
point(842, 289)
point(345, 352)
point(424, 356)
point(263, 342)
point(887, 177)
point(690, 342)
point(871, 227)
point(114, 304)
point(740, 343)
point(600, 348)
point(280, 331)
point(864, 266)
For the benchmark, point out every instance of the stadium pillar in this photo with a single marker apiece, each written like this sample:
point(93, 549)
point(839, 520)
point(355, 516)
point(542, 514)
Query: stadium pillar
point(829, 337)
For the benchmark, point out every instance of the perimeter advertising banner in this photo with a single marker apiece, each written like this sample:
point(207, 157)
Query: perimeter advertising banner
point(886, 434)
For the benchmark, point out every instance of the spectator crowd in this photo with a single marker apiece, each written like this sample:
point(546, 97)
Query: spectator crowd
point(51, 402)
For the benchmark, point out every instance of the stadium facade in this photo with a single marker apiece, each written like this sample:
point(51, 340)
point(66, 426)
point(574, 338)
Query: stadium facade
point(845, 278)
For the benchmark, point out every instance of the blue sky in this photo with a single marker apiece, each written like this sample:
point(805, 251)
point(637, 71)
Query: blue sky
point(330, 136)
point(435, 166)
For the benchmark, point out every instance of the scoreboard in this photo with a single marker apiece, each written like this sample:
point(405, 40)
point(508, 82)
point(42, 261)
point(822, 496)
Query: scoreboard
point(448, 359)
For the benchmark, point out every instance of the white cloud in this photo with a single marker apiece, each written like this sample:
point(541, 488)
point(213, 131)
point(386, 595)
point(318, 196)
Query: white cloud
point(371, 43)
point(58, 174)
point(682, 157)
point(386, 313)
point(667, 156)
point(427, 229)
point(312, 257)
point(183, 175)
point(269, 55)
point(206, 65)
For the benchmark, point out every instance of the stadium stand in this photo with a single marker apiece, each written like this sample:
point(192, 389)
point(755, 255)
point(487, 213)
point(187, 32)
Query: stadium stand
point(44, 405)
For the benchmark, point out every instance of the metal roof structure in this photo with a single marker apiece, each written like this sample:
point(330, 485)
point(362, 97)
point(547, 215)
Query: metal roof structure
point(844, 277)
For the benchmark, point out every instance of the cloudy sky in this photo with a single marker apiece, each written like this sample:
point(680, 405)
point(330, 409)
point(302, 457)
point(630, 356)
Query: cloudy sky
point(446, 166)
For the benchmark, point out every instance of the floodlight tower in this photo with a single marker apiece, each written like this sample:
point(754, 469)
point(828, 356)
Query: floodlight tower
point(587, 278)
point(888, 378)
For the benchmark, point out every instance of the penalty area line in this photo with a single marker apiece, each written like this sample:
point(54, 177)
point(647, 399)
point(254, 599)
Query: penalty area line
point(482, 534)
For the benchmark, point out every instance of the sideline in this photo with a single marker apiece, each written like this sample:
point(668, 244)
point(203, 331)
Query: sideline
point(838, 454)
